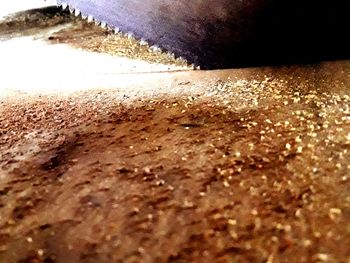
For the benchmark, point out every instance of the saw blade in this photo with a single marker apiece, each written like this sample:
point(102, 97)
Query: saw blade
point(229, 33)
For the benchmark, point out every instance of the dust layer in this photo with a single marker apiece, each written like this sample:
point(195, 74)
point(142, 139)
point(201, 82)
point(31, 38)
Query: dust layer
point(251, 168)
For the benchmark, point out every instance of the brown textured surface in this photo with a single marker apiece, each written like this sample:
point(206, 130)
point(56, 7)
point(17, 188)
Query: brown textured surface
point(248, 169)
point(234, 166)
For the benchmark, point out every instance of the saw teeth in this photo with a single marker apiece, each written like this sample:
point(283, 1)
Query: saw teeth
point(71, 9)
point(182, 59)
point(129, 35)
point(64, 6)
point(90, 19)
point(143, 42)
point(155, 48)
point(170, 54)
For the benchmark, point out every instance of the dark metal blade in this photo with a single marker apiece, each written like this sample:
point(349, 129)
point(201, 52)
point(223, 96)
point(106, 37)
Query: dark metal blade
point(228, 33)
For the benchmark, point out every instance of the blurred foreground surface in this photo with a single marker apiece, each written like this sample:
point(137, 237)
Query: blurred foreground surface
point(247, 165)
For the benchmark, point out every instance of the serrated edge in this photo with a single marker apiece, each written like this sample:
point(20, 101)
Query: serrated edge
point(129, 35)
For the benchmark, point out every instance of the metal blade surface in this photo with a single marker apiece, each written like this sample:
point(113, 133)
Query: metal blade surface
point(228, 33)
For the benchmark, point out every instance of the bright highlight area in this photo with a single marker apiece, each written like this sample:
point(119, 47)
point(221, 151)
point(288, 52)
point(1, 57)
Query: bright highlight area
point(30, 64)
point(11, 6)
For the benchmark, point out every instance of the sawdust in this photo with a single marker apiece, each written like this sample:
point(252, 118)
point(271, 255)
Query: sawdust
point(32, 22)
point(250, 168)
point(88, 36)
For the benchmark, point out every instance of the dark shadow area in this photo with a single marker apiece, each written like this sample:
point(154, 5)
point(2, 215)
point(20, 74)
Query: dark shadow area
point(278, 33)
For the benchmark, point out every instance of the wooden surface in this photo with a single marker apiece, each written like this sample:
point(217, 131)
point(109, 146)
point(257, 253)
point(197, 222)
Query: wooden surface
point(240, 165)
